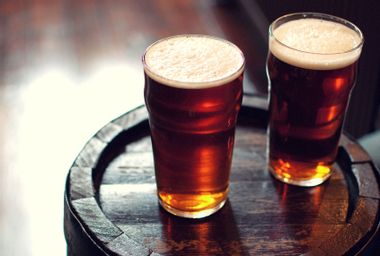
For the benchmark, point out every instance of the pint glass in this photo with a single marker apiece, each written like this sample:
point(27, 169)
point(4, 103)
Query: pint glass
point(311, 68)
point(193, 93)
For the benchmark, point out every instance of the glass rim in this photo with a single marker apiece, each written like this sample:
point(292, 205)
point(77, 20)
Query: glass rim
point(206, 84)
point(321, 16)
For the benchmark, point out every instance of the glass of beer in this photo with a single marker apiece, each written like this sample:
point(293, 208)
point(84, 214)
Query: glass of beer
point(193, 93)
point(311, 67)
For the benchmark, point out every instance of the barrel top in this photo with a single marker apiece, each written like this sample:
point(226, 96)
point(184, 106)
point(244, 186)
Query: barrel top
point(111, 206)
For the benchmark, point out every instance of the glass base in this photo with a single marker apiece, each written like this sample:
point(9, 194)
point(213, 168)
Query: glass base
point(311, 182)
point(193, 214)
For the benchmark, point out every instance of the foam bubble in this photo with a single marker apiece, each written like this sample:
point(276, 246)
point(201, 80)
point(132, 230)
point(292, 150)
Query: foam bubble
point(193, 61)
point(315, 44)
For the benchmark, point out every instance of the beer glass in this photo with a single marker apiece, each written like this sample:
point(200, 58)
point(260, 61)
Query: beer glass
point(193, 93)
point(311, 67)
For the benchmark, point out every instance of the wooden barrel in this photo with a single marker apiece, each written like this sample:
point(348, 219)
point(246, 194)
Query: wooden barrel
point(111, 206)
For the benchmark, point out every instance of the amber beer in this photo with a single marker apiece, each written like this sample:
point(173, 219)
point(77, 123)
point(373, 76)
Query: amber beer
point(311, 66)
point(193, 93)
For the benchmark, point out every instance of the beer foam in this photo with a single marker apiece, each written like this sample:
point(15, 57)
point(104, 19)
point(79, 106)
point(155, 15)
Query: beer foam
point(193, 61)
point(316, 44)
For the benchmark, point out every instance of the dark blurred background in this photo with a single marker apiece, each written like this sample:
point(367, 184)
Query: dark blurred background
point(69, 67)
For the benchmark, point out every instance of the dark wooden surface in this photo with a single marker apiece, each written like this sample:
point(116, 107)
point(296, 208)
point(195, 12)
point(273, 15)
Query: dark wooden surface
point(111, 205)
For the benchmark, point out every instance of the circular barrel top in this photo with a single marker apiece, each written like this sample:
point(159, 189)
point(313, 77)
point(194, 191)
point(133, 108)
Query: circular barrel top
point(111, 206)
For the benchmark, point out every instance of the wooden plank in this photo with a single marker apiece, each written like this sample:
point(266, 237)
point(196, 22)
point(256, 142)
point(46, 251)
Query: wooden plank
point(89, 155)
point(80, 181)
point(94, 220)
point(108, 132)
point(355, 152)
point(341, 242)
point(77, 238)
point(365, 214)
point(124, 245)
point(366, 180)
point(132, 118)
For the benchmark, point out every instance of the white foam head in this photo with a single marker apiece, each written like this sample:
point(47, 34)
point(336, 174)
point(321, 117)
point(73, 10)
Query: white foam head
point(193, 61)
point(318, 44)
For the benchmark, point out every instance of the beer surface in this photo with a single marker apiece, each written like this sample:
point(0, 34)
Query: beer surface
point(315, 44)
point(193, 61)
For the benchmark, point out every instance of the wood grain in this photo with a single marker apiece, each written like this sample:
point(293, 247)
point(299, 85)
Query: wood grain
point(262, 215)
